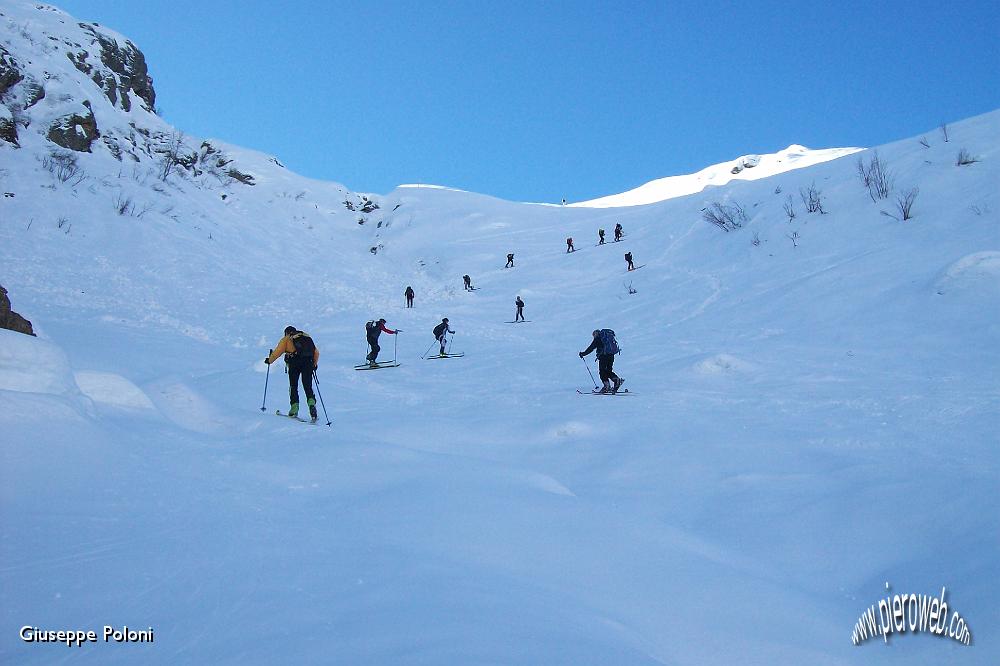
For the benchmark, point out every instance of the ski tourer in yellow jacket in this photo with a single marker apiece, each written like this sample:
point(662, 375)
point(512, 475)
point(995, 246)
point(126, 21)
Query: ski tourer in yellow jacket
point(302, 359)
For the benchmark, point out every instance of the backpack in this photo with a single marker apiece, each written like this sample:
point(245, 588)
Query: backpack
point(439, 330)
point(608, 344)
point(305, 348)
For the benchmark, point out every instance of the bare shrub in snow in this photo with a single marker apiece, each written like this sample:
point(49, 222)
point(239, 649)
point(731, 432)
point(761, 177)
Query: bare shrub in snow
point(876, 177)
point(124, 204)
point(944, 131)
point(172, 155)
point(812, 198)
point(904, 202)
point(728, 217)
point(755, 241)
point(965, 157)
point(789, 208)
point(64, 166)
point(923, 142)
point(794, 237)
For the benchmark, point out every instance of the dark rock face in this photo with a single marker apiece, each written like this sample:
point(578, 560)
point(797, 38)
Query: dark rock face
point(33, 93)
point(244, 178)
point(75, 132)
point(10, 72)
point(128, 71)
point(10, 319)
point(8, 131)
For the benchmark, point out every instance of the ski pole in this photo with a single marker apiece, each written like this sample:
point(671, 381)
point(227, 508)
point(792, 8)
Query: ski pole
point(266, 377)
point(428, 350)
point(395, 339)
point(320, 394)
point(450, 341)
point(587, 365)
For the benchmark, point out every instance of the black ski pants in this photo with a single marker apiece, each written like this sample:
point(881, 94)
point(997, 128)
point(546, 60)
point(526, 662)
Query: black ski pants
point(305, 372)
point(605, 365)
point(373, 354)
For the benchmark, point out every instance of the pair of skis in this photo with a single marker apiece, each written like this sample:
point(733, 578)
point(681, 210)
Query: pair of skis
point(296, 418)
point(598, 392)
point(377, 366)
point(446, 356)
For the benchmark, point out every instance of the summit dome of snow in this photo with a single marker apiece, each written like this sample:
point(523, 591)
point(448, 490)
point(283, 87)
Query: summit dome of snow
point(748, 167)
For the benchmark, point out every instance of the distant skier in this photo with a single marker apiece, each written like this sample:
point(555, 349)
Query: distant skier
point(618, 232)
point(600, 236)
point(301, 360)
point(373, 330)
point(409, 296)
point(440, 333)
point(510, 260)
point(628, 258)
point(468, 283)
point(606, 346)
point(520, 309)
point(569, 245)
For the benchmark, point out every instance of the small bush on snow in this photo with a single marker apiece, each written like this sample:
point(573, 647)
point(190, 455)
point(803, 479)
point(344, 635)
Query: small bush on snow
point(965, 157)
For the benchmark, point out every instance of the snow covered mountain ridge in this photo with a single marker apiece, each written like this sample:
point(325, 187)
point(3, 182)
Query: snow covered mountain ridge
point(86, 88)
point(75, 94)
point(747, 167)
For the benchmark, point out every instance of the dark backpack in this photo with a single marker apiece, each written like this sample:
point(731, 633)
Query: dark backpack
point(305, 348)
point(440, 329)
point(607, 342)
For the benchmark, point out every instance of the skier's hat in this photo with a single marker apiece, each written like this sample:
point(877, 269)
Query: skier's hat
point(289, 330)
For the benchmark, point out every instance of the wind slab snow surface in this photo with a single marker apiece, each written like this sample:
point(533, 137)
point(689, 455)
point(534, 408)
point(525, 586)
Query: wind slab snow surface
point(813, 417)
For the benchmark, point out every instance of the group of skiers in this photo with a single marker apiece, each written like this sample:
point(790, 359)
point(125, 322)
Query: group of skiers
point(619, 233)
point(302, 355)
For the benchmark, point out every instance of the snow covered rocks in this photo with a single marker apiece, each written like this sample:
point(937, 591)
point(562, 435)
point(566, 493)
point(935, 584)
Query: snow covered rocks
point(10, 319)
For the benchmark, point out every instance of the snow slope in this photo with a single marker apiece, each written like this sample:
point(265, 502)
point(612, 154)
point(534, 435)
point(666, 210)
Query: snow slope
point(748, 167)
point(810, 421)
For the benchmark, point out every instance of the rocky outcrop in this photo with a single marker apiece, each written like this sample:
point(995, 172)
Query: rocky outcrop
point(124, 70)
point(8, 127)
point(10, 319)
point(74, 131)
point(10, 72)
point(244, 178)
point(33, 93)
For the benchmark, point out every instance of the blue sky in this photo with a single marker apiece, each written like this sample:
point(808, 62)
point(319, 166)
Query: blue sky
point(537, 101)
